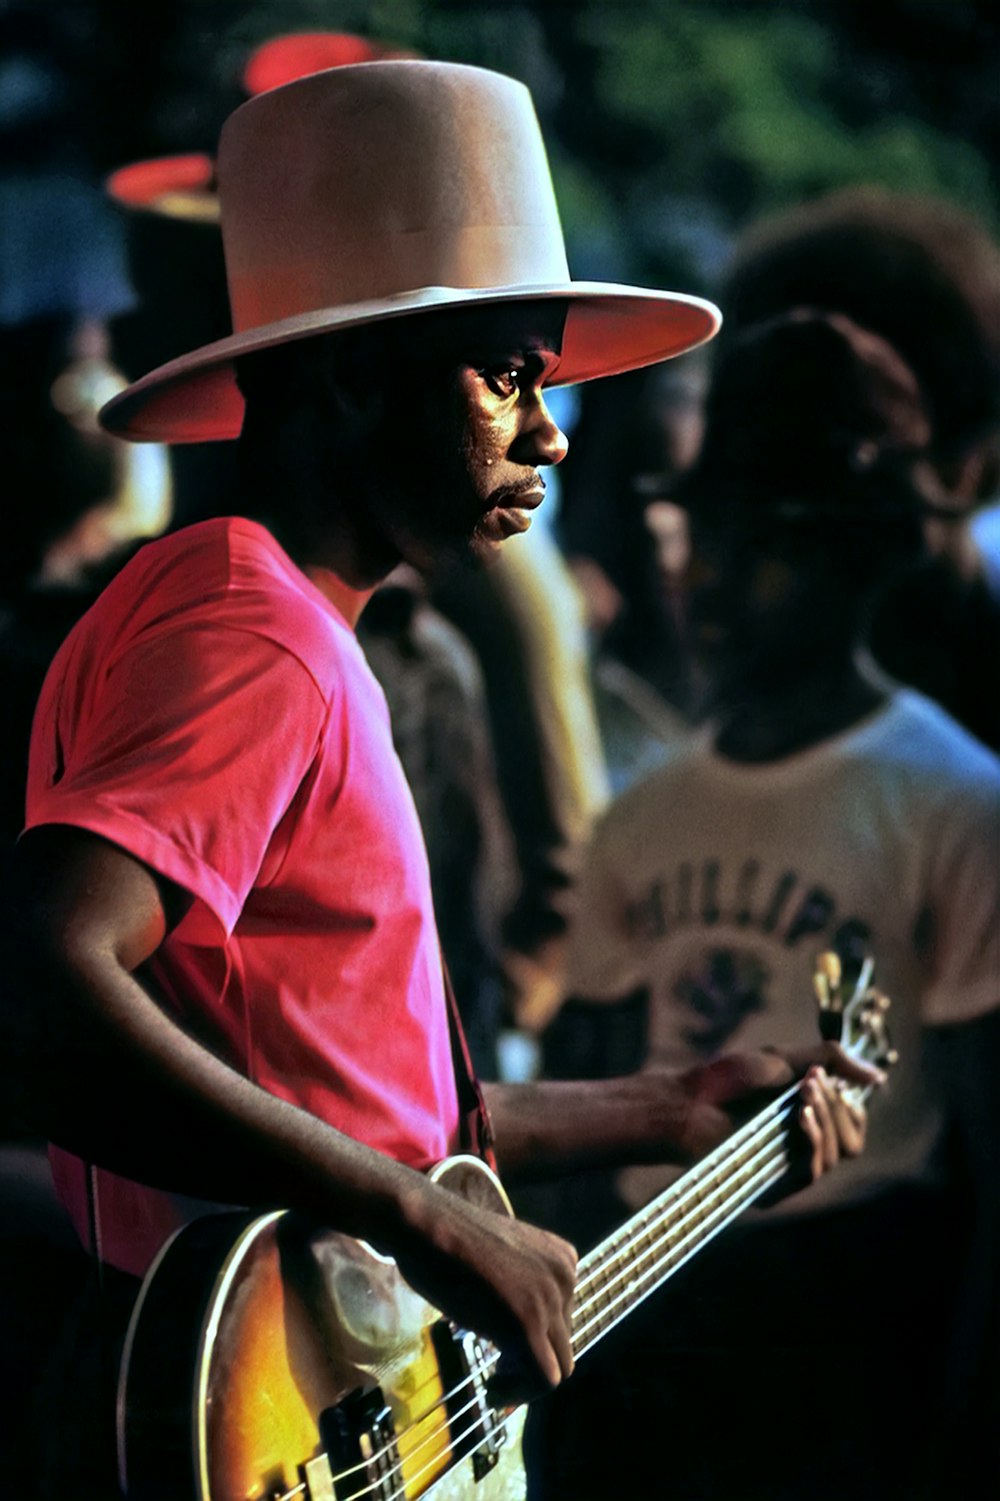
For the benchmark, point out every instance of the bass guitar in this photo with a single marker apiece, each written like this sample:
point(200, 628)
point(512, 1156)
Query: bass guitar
point(271, 1360)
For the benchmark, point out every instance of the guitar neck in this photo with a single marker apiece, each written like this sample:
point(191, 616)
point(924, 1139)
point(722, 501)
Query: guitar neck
point(644, 1252)
point(623, 1270)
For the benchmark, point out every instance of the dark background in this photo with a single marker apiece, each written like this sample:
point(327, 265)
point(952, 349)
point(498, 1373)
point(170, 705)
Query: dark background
point(671, 123)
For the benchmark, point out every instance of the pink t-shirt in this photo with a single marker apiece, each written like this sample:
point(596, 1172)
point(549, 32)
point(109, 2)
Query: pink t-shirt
point(214, 715)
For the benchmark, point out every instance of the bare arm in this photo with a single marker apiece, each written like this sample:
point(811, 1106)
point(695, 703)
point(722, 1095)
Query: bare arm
point(659, 1116)
point(110, 1075)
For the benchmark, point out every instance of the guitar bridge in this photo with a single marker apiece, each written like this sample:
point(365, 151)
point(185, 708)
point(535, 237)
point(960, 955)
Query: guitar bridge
point(476, 1426)
point(359, 1435)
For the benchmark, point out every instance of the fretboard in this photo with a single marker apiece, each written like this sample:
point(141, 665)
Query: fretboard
point(639, 1257)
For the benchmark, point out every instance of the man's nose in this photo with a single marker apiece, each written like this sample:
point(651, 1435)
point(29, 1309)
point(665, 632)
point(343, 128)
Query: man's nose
point(541, 440)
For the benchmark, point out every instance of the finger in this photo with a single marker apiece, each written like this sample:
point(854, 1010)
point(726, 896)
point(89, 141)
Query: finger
point(814, 1089)
point(549, 1322)
point(850, 1119)
point(562, 1343)
point(810, 1125)
point(539, 1364)
point(835, 1061)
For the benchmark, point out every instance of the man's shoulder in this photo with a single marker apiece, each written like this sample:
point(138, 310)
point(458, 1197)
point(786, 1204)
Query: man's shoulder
point(212, 550)
point(922, 737)
point(229, 574)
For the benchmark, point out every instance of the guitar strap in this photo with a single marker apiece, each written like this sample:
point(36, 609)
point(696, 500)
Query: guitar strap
point(476, 1126)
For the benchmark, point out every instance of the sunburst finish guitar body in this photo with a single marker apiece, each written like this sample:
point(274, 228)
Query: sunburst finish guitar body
point(269, 1360)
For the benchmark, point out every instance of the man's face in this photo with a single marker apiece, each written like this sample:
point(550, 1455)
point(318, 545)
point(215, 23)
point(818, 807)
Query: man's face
point(465, 435)
point(763, 602)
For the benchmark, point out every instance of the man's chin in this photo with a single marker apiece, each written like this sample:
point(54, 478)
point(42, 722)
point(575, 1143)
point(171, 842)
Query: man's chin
point(443, 556)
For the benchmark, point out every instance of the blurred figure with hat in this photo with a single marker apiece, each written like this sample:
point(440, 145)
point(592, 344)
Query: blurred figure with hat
point(925, 274)
point(820, 807)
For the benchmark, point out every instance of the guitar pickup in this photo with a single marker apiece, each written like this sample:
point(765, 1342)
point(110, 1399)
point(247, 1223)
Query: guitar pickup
point(476, 1427)
point(359, 1435)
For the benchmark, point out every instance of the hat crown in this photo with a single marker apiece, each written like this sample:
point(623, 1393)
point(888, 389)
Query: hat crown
point(372, 181)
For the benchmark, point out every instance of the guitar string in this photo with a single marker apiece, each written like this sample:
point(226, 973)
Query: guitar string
point(634, 1287)
point(746, 1159)
point(749, 1137)
point(758, 1129)
point(746, 1136)
point(377, 1487)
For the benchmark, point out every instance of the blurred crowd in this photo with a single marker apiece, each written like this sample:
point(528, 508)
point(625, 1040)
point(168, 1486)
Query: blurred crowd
point(732, 701)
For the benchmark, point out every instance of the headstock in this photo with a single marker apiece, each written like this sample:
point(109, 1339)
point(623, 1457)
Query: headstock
point(856, 1017)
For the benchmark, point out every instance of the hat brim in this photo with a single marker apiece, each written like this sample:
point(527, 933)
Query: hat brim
point(609, 329)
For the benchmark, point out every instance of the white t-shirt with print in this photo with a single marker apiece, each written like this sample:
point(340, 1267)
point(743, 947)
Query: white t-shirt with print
point(717, 883)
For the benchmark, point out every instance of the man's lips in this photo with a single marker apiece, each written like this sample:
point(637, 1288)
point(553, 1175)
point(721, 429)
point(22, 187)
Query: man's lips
point(509, 513)
point(518, 498)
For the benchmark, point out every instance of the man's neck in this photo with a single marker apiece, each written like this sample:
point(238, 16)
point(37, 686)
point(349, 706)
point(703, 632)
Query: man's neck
point(333, 562)
point(774, 725)
point(349, 601)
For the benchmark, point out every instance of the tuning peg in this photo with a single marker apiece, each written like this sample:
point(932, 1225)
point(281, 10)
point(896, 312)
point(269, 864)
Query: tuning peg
point(827, 977)
point(875, 1020)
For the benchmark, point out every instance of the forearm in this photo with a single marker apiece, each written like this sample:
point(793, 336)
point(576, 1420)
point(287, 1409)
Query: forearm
point(111, 1075)
point(660, 1115)
point(554, 1126)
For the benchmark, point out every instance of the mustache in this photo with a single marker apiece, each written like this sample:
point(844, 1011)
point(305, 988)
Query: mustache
point(513, 491)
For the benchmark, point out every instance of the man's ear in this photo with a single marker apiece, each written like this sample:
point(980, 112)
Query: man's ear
point(356, 408)
point(346, 377)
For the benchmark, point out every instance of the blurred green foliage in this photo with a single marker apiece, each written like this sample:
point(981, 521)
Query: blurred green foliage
point(670, 123)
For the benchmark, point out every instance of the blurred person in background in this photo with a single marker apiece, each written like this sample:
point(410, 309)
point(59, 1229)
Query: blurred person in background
point(434, 687)
point(821, 807)
point(525, 622)
point(925, 274)
point(630, 447)
point(75, 501)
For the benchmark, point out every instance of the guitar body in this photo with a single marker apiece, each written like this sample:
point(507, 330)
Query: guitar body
point(267, 1358)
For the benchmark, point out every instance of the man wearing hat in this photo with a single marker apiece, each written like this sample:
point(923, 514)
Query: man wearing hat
point(230, 980)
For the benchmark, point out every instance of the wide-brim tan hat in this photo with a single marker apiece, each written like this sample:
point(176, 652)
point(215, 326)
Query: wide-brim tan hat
point(384, 190)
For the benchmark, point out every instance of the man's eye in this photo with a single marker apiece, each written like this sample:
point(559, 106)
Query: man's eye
point(503, 380)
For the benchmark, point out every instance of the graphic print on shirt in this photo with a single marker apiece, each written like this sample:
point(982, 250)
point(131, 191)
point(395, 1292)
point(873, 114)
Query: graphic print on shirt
point(724, 982)
point(726, 987)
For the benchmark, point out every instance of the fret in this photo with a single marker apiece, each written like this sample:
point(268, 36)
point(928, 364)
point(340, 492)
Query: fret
point(631, 1264)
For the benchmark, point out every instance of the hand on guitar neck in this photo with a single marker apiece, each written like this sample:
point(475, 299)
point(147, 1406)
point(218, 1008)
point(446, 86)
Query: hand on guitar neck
point(832, 1115)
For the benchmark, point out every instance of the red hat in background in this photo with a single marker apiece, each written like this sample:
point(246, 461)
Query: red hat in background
point(184, 186)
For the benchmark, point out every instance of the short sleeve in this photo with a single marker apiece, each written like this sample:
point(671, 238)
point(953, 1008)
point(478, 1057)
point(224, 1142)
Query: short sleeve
point(190, 754)
point(962, 924)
